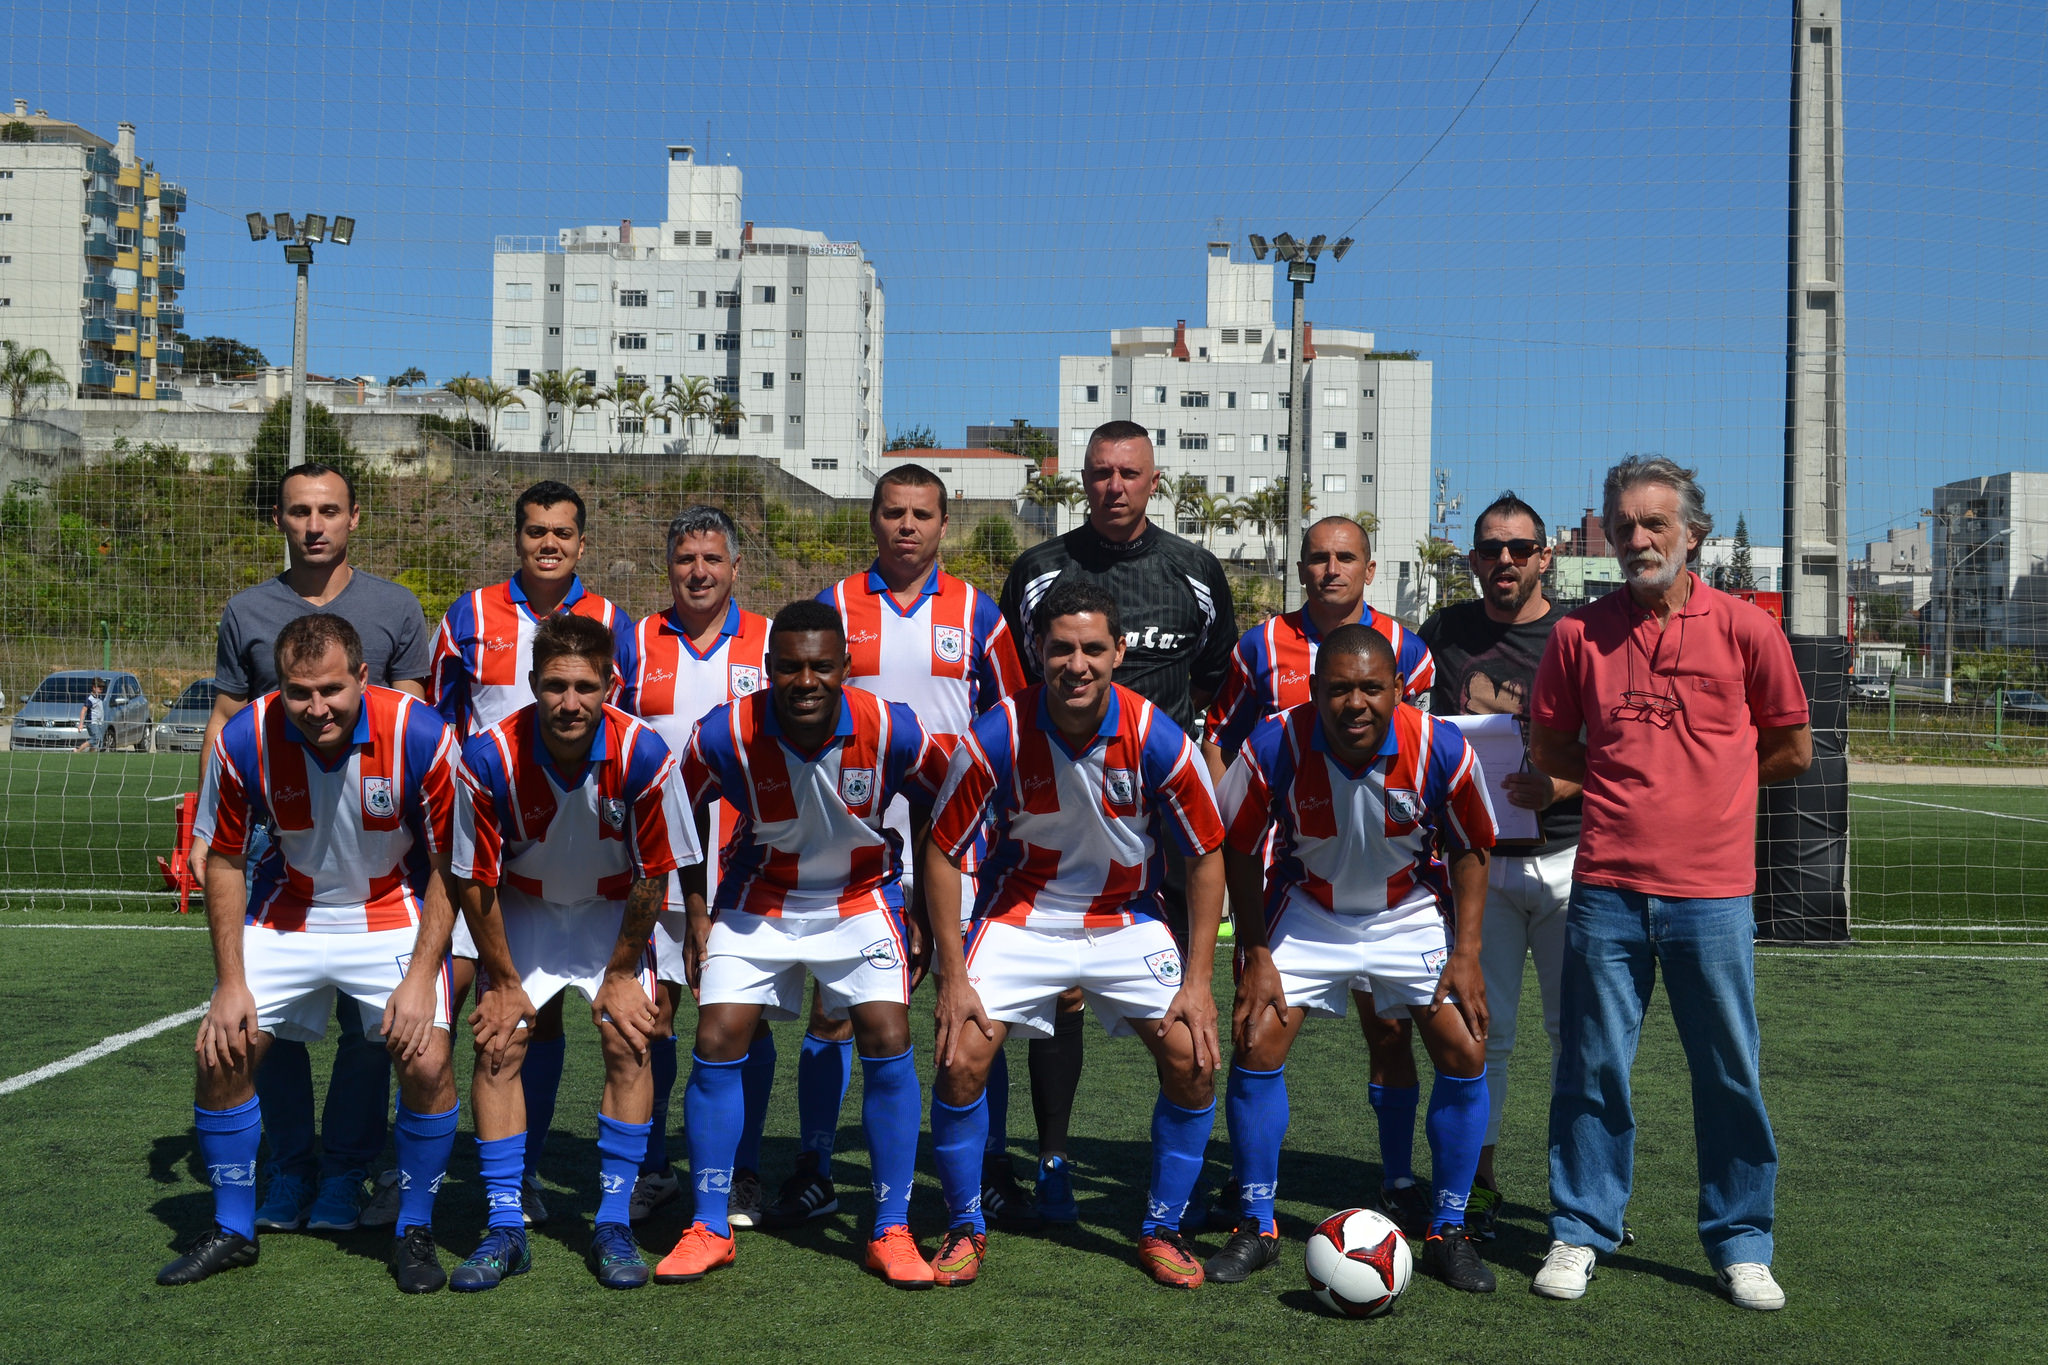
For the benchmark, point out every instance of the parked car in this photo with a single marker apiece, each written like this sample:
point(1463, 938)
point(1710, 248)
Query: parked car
point(182, 728)
point(2030, 706)
point(1863, 691)
point(49, 718)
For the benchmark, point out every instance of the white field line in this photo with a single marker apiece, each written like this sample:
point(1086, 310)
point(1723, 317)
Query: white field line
point(100, 1049)
point(145, 928)
point(108, 892)
point(1959, 810)
point(1852, 955)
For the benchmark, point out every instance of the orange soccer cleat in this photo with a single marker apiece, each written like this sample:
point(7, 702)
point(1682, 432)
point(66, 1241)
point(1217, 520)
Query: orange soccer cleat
point(895, 1257)
point(1169, 1259)
point(698, 1252)
point(961, 1252)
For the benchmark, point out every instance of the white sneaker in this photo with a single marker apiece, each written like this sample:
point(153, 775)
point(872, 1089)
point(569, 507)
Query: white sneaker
point(1566, 1269)
point(382, 1210)
point(743, 1207)
point(533, 1208)
point(653, 1190)
point(1750, 1285)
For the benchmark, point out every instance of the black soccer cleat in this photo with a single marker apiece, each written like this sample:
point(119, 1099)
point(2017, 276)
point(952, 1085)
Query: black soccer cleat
point(1003, 1201)
point(1409, 1207)
point(215, 1250)
point(415, 1264)
point(1246, 1253)
point(804, 1196)
point(1453, 1257)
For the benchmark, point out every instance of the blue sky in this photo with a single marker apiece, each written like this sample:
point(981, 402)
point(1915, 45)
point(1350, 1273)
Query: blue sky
point(1593, 258)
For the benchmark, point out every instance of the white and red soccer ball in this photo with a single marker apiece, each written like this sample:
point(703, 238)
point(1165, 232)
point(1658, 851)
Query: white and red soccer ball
point(1358, 1263)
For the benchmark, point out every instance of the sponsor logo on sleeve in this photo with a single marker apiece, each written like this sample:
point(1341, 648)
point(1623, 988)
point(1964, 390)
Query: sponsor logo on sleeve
point(745, 680)
point(856, 785)
point(1164, 966)
point(613, 809)
point(1121, 784)
point(949, 642)
point(377, 797)
point(1433, 960)
point(1404, 805)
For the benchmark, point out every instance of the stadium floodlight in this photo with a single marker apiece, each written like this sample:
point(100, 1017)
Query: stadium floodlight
point(1300, 259)
point(1337, 251)
point(286, 231)
point(1285, 247)
point(1301, 272)
point(1259, 247)
point(298, 253)
point(316, 227)
point(1315, 245)
point(344, 230)
point(258, 228)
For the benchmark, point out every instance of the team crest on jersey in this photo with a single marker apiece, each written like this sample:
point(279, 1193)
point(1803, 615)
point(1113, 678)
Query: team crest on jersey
point(613, 809)
point(882, 953)
point(745, 680)
point(1404, 805)
point(856, 785)
point(949, 643)
point(1433, 960)
point(1164, 966)
point(377, 797)
point(1121, 784)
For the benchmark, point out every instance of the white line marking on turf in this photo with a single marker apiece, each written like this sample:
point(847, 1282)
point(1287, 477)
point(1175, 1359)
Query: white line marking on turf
point(1838, 955)
point(99, 1050)
point(149, 928)
point(114, 893)
point(1959, 810)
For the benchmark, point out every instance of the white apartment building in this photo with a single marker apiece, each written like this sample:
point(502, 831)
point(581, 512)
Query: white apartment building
point(1215, 398)
point(1991, 562)
point(783, 320)
point(91, 258)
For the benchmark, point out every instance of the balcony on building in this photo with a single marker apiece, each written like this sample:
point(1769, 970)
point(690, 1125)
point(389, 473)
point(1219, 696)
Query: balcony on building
point(169, 353)
point(124, 382)
point(172, 200)
point(170, 317)
point(96, 374)
point(171, 237)
point(127, 258)
point(98, 247)
point(124, 339)
point(168, 393)
point(100, 204)
point(98, 330)
point(100, 291)
point(130, 176)
point(100, 161)
point(171, 277)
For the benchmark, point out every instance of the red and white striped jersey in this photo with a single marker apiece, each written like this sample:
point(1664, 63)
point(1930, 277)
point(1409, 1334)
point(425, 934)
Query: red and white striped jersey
point(484, 651)
point(948, 657)
point(1363, 841)
point(1075, 838)
point(352, 840)
point(555, 839)
point(1273, 667)
point(810, 839)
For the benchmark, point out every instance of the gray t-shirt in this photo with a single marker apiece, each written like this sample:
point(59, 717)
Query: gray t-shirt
point(396, 645)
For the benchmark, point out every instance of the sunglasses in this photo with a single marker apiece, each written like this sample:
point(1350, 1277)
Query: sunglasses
point(1519, 549)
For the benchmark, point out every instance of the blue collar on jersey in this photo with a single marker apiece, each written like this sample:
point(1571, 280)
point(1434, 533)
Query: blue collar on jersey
point(518, 593)
point(877, 584)
point(731, 626)
point(1320, 742)
point(1112, 717)
point(600, 752)
point(772, 723)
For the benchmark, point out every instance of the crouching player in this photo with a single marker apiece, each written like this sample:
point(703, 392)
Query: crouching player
point(811, 882)
point(569, 819)
point(1356, 790)
point(358, 786)
point(1080, 781)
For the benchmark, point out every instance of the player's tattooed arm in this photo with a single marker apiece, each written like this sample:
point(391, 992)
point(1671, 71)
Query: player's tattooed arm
point(622, 1000)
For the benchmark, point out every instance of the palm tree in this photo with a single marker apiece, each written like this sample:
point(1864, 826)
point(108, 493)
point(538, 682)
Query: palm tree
point(564, 389)
point(404, 379)
point(647, 406)
point(27, 372)
point(726, 416)
point(619, 395)
point(686, 403)
point(494, 398)
point(1190, 492)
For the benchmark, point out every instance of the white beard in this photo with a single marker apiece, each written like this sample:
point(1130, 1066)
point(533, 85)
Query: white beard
point(1652, 572)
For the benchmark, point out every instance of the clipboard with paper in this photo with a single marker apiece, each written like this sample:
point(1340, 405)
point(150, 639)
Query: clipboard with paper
point(1497, 742)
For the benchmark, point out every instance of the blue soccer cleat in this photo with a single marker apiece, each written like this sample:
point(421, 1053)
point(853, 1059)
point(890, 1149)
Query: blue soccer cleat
point(615, 1257)
point(339, 1205)
point(1056, 1202)
point(502, 1255)
point(284, 1203)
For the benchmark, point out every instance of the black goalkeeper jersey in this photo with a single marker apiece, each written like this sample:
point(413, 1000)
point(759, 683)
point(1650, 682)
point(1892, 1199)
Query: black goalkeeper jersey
point(1179, 622)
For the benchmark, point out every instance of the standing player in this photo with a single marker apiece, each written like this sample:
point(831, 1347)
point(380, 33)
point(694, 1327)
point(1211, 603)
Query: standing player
point(483, 659)
point(1486, 652)
point(1270, 672)
point(920, 636)
point(1084, 782)
point(811, 882)
point(1353, 793)
point(702, 652)
point(316, 512)
point(1179, 627)
point(570, 818)
point(357, 783)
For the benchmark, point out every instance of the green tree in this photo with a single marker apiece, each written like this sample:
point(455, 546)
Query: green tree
point(1741, 576)
point(1442, 561)
point(14, 130)
point(494, 398)
point(914, 438)
point(220, 355)
point(1030, 442)
point(995, 537)
point(688, 405)
point(270, 454)
point(27, 373)
point(726, 416)
point(564, 389)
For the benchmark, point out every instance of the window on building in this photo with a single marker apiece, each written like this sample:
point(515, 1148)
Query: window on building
point(590, 378)
point(1366, 393)
point(824, 464)
point(6, 260)
point(1259, 441)
point(1194, 440)
point(725, 383)
point(699, 339)
point(664, 341)
point(703, 237)
point(725, 253)
point(554, 289)
point(763, 338)
point(1252, 336)
point(796, 291)
point(522, 377)
point(1286, 399)
point(1229, 483)
point(796, 419)
point(586, 421)
point(6, 175)
point(515, 421)
point(6, 217)
point(518, 291)
point(632, 341)
point(1156, 393)
point(796, 334)
point(1087, 393)
point(728, 298)
point(682, 237)
point(1230, 398)
point(1202, 352)
point(796, 376)
point(1365, 436)
point(764, 423)
point(1259, 401)
point(1257, 483)
point(1335, 398)
point(1226, 442)
point(1333, 483)
point(1280, 353)
point(554, 331)
point(586, 293)
point(632, 298)
point(728, 341)
point(1077, 437)
point(1159, 438)
point(585, 336)
point(630, 423)
point(1333, 440)
point(697, 297)
point(1280, 443)
point(1123, 390)
point(6, 303)
point(518, 336)
point(1229, 337)
point(767, 379)
point(1194, 398)
point(764, 293)
point(664, 298)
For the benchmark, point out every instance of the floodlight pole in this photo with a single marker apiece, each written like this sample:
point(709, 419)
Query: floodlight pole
point(299, 369)
point(1297, 460)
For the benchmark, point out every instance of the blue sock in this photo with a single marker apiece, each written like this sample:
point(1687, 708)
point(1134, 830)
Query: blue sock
point(284, 1090)
point(620, 1148)
point(959, 1139)
point(1180, 1138)
point(1257, 1105)
point(661, 1060)
point(424, 1144)
point(501, 1161)
point(540, 1076)
point(228, 1139)
point(713, 1111)
point(1457, 1130)
point(757, 1080)
point(890, 1115)
point(997, 1095)
point(1395, 1108)
point(822, 1072)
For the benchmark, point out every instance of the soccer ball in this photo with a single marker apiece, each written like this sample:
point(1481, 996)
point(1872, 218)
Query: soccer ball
point(1358, 1263)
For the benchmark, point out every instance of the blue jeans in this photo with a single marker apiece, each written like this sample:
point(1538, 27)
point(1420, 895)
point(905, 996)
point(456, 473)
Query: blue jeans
point(1614, 941)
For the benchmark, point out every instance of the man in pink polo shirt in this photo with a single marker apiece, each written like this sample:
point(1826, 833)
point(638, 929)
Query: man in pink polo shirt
point(1671, 703)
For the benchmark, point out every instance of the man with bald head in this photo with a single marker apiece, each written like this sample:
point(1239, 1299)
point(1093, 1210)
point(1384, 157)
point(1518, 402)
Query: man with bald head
point(1178, 626)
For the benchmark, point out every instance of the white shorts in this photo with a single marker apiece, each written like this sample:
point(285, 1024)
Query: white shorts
point(294, 975)
point(758, 960)
point(1129, 972)
point(462, 943)
point(556, 947)
point(1395, 956)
